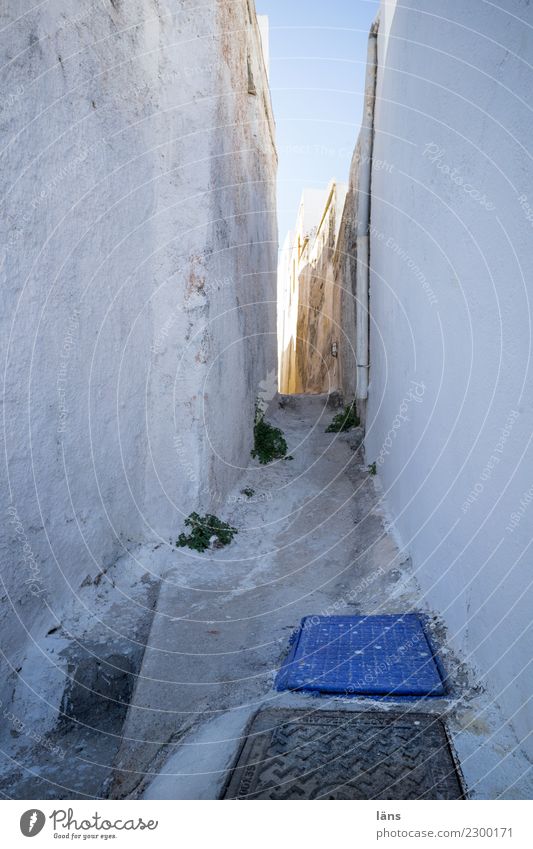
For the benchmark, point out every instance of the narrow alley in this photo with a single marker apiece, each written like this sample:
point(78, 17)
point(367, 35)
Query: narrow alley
point(267, 408)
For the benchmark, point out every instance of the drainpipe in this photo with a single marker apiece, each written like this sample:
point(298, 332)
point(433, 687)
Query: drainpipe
point(362, 274)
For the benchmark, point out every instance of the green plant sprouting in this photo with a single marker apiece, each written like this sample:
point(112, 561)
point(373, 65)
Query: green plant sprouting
point(203, 529)
point(269, 442)
point(344, 420)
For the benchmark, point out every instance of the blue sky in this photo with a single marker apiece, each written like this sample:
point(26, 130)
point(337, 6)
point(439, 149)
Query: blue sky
point(317, 69)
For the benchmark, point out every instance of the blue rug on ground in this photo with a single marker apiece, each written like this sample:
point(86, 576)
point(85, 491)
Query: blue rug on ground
point(386, 655)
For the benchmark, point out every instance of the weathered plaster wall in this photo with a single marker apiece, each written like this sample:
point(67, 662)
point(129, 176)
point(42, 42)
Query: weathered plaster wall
point(344, 272)
point(290, 263)
point(138, 280)
point(319, 317)
point(287, 313)
point(450, 401)
point(344, 281)
point(309, 297)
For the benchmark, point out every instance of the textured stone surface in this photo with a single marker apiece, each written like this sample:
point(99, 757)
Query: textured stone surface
point(310, 320)
point(339, 755)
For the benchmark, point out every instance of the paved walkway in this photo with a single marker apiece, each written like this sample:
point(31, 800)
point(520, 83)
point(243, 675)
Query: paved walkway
point(311, 541)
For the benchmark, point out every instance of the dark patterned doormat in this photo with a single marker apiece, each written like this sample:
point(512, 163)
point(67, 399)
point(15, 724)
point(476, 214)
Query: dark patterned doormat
point(387, 655)
point(306, 754)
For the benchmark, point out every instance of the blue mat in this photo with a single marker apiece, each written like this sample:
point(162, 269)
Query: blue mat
point(362, 655)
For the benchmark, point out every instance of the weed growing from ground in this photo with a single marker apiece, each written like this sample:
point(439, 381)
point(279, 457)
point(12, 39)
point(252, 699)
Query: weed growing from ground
point(344, 420)
point(203, 528)
point(269, 442)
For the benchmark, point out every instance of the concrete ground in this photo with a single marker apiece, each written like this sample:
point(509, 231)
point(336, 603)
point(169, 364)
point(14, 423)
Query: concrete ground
point(311, 540)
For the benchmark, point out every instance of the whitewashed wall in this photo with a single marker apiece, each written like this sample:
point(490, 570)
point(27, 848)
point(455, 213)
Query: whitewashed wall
point(450, 408)
point(138, 279)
